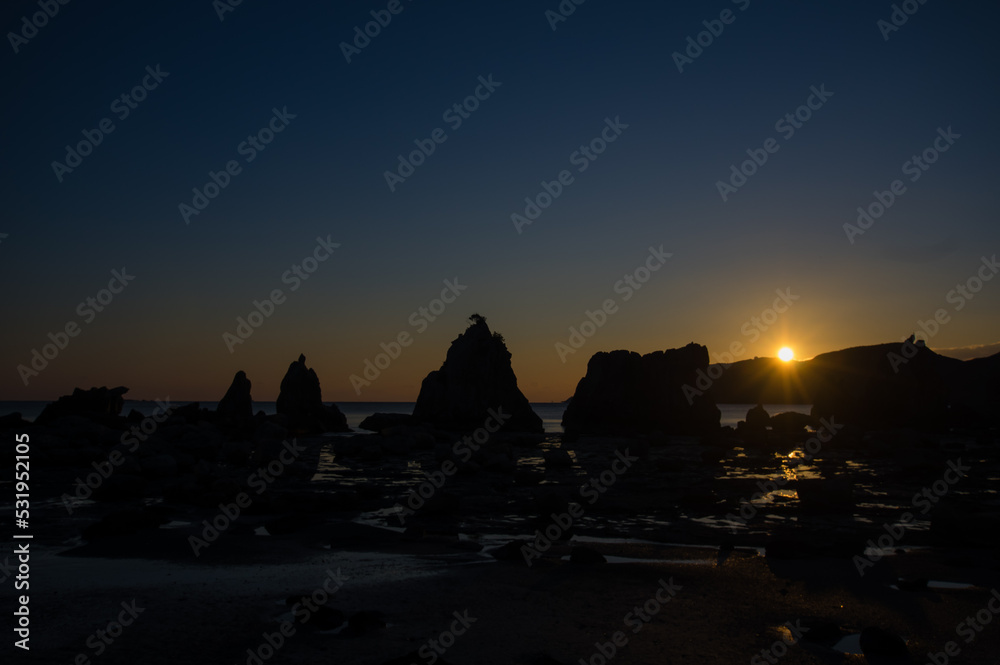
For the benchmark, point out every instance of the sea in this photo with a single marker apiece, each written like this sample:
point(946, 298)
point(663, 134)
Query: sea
point(551, 413)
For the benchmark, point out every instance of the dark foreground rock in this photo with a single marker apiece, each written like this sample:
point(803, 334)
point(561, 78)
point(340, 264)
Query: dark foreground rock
point(475, 380)
point(97, 404)
point(381, 421)
point(625, 393)
point(236, 405)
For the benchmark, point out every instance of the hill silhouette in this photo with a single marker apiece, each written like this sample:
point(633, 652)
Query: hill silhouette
point(894, 384)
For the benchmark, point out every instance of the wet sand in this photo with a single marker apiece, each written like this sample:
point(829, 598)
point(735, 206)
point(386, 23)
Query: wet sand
point(212, 609)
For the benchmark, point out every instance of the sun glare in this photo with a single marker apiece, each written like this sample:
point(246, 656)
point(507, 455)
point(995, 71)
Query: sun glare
point(786, 354)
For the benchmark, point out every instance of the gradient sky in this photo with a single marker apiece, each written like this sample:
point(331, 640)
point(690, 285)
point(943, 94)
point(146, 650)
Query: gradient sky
point(323, 176)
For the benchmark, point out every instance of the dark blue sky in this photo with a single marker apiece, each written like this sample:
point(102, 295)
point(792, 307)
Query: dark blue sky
point(323, 175)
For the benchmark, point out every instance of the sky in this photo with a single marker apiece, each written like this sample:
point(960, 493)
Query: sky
point(595, 188)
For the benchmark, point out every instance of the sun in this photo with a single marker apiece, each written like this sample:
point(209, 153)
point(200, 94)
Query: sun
point(786, 353)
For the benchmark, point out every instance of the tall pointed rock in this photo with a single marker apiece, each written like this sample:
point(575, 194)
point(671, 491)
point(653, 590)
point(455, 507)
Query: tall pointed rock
point(301, 402)
point(476, 376)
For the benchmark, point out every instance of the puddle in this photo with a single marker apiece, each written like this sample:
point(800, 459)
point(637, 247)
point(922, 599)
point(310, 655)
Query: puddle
point(944, 586)
point(850, 645)
point(672, 562)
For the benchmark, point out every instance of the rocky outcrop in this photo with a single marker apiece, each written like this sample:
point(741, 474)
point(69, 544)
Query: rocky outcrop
point(237, 405)
point(382, 421)
point(475, 379)
point(881, 386)
point(901, 384)
point(300, 402)
point(625, 393)
point(753, 430)
point(96, 404)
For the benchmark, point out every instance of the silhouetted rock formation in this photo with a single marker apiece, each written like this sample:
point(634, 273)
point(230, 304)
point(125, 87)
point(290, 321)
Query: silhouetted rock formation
point(301, 402)
point(863, 386)
point(901, 384)
point(625, 393)
point(476, 377)
point(237, 405)
point(382, 421)
point(753, 430)
point(97, 404)
point(791, 422)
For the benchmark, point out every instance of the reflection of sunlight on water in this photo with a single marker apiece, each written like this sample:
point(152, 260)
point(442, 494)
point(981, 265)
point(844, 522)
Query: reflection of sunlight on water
point(736, 478)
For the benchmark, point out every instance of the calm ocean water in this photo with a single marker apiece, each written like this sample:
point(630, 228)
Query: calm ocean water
point(550, 412)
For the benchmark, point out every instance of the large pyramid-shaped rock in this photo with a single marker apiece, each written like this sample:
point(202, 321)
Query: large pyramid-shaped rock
point(301, 402)
point(476, 376)
point(237, 404)
point(625, 393)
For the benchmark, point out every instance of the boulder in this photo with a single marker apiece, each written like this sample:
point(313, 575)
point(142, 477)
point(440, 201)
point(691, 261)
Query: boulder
point(236, 405)
point(511, 551)
point(880, 646)
point(753, 430)
point(757, 418)
point(790, 422)
point(301, 403)
point(625, 393)
point(557, 458)
point(475, 382)
point(13, 421)
point(380, 421)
